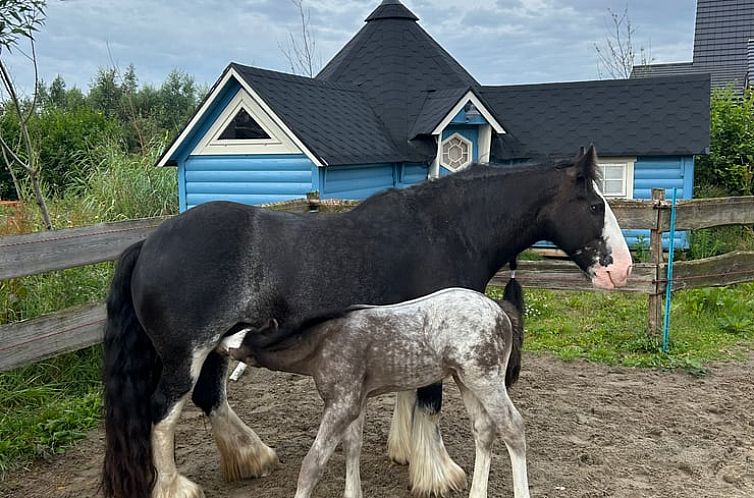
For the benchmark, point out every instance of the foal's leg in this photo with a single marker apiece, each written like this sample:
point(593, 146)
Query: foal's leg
point(352, 441)
point(399, 440)
point(179, 374)
point(510, 425)
point(431, 471)
point(483, 428)
point(340, 412)
point(242, 453)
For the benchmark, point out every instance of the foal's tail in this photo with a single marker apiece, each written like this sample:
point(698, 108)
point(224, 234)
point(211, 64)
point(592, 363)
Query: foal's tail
point(513, 304)
point(130, 373)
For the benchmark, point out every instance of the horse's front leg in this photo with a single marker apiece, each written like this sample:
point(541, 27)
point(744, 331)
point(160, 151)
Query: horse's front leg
point(431, 470)
point(340, 411)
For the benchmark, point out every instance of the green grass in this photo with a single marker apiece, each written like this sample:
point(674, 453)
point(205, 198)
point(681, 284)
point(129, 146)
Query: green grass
point(706, 325)
point(48, 406)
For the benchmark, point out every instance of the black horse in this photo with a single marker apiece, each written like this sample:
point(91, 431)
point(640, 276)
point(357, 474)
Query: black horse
point(176, 295)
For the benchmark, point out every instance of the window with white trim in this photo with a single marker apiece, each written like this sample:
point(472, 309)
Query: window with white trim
point(617, 178)
point(456, 152)
point(244, 127)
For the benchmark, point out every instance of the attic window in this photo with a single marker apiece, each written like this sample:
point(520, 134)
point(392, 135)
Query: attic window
point(456, 152)
point(244, 127)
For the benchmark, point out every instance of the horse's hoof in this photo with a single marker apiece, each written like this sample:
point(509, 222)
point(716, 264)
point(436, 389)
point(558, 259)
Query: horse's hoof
point(248, 461)
point(178, 487)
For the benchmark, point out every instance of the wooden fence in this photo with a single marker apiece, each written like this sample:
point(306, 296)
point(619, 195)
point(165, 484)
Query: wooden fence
point(76, 328)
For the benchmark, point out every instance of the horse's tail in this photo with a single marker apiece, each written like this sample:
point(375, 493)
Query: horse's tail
point(130, 373)
point(514, 306)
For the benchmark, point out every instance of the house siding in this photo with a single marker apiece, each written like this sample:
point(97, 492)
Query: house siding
point(665, 172)
point(361, 181)
point(247, 179)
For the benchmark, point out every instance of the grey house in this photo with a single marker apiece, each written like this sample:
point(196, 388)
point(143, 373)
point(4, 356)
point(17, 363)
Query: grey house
point(723, 46)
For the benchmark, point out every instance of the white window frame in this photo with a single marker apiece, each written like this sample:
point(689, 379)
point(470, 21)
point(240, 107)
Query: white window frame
point(468, 142)
point(628, 165)
point(278, 143)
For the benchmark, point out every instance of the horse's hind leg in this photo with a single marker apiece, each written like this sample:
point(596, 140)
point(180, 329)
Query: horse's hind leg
point(509, 423)
point(483, 428)
point(179, 374)
point(431, 471)
point(399, 439)
point(242, 453)
point(352, 441)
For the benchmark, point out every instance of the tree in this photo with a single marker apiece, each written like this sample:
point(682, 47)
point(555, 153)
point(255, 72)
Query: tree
point(301, 50)
point(616, 56)
point(19, 21)
point(730, 162)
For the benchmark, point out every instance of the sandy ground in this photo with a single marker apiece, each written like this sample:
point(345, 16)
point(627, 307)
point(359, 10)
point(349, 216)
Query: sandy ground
point(593, 431)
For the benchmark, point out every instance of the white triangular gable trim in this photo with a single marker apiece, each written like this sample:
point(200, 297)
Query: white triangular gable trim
point(278, 143)
point(231, 73)
point(470, 96)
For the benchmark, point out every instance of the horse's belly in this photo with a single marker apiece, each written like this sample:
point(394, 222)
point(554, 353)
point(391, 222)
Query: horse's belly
point(400, 373)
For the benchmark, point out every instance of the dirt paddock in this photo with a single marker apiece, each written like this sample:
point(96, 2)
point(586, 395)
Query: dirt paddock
point(593, 431)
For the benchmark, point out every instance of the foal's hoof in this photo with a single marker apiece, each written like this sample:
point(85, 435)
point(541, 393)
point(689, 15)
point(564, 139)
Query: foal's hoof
point(178, 487)
point(244, 462)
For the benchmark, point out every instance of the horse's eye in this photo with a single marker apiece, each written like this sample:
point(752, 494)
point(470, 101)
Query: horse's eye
point(595, 208)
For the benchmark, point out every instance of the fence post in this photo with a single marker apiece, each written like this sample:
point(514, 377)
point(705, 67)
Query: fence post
point(655, 252)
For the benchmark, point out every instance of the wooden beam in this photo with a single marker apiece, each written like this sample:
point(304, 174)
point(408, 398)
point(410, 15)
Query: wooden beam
point(706, 213)
point(731, 268)
point(30, 254)
point(654, 321)
point(34, 340)
point(565, 275)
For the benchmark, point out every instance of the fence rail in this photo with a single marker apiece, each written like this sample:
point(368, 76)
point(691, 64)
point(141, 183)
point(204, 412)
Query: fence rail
point(76, 328)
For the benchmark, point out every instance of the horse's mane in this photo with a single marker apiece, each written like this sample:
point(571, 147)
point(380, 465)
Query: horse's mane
point(473, 173)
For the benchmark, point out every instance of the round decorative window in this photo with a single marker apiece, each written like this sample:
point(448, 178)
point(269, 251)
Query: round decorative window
point(456, 152)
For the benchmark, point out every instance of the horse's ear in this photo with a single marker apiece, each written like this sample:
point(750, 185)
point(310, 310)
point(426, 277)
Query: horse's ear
point(585, 164)
point(580, 153)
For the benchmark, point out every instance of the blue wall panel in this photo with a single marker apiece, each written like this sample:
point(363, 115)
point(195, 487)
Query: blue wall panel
point(412, 173)
point(667, 173)
point(245, 178)
point(356, 182)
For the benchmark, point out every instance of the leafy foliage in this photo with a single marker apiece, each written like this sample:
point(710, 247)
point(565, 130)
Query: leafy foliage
point(20, 19)
point(730, 163)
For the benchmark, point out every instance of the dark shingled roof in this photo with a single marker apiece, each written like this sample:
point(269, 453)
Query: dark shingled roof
point(723, 31)
point(658, 116)
point(334, 121)
point(395, 63)
point(381, 96)
point(436, 106)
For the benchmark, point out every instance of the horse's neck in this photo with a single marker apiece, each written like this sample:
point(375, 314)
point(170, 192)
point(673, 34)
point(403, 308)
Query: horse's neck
point(295, 356)
point(495, 216)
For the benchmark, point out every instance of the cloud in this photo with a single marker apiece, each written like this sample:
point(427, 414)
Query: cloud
point(502, 41)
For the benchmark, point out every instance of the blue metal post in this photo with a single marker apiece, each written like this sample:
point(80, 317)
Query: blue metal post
point(669, 283)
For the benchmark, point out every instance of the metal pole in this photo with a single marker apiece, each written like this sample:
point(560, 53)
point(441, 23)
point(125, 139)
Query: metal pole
point(669, 283)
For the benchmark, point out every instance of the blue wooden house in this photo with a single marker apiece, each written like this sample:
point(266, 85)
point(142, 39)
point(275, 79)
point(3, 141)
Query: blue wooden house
point(393, 108)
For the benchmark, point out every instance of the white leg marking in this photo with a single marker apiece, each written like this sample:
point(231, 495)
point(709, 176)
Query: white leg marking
point(169, 483)
point(242, 453)
point(352, 444)
point(399, 440)
point(431, 471)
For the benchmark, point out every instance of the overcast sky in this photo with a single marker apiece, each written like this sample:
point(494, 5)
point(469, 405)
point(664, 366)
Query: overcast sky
point(499, 42)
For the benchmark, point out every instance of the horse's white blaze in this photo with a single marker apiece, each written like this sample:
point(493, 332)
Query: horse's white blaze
point(399, 440)
point(431, 471)
point(169, 483)
point(616, 273)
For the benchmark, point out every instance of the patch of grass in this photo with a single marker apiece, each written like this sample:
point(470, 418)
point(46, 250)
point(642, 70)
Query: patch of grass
point(48, 406)
point(706, 325)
